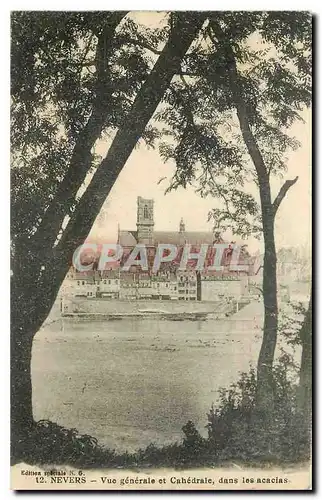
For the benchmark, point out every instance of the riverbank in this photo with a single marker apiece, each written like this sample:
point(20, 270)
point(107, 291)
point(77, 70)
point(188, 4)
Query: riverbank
point(143, 315)
point(100, 309)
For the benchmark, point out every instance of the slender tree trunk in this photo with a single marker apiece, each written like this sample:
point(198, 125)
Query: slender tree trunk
point(304, 400)
point(266, 357)
point(265, 383)
point(265, 388)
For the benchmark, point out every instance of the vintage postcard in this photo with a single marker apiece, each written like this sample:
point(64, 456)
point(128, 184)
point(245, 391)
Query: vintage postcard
point(161, 310)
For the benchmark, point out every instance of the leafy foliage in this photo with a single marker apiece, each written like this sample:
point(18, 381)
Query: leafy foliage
point(77, 70)
point(66, 74)
point(272, 52)
point(291, 323)
point(75, 79)
point(235, 433)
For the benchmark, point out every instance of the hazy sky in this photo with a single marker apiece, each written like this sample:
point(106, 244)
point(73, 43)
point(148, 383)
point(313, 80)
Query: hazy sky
point(144, 168)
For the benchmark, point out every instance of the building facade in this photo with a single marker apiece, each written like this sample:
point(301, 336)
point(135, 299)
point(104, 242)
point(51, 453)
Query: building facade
point(169, 282)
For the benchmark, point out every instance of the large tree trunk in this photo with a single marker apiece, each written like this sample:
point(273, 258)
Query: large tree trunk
point(38, 267)
point(304, 400)
point(21, 388)
point(20, 377)
point(29, 308)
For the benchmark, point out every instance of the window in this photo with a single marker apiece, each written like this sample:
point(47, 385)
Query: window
point(104, 282)
point(78, 282)
point(83, 282)
point(109, 282)
point(145, 212)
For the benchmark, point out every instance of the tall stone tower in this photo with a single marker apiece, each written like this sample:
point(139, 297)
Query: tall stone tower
point(145, 220)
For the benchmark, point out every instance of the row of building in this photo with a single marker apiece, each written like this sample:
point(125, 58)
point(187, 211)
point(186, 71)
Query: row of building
point(170, 283)
point(185, 285)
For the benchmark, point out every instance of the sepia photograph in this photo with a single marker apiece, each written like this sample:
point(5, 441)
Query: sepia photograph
point(161, 250)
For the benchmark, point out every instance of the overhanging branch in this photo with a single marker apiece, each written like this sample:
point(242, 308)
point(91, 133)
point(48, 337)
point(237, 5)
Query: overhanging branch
point(184, 32)
point(282, 193)
point(81, 159)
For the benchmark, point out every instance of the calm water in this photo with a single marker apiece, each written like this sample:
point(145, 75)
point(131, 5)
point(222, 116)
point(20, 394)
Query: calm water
point(130, 382)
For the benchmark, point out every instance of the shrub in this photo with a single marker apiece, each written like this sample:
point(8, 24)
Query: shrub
point(50, 443)
point(235, 432)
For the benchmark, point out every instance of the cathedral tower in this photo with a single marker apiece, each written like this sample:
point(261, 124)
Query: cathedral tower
point(145, 220)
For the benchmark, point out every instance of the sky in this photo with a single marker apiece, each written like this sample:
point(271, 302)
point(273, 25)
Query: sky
point(145, 168)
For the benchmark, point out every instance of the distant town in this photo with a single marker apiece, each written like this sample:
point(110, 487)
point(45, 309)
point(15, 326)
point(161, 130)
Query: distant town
point(171, 283)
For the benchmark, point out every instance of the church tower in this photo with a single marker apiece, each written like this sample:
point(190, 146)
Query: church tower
point(145, 220)
point(182, 232)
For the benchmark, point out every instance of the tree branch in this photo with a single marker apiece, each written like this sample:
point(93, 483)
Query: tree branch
point(260, 289)
point(144, 45)
point(81, 159)
point(129, 41)
point(182, 35)
point(282, 193)
point(242, 114)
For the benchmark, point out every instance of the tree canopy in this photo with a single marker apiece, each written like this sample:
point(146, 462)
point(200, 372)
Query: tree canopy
point(228, 116)
point(211, 89)
point(74, 78)
point(77, 77)
point(262, 61)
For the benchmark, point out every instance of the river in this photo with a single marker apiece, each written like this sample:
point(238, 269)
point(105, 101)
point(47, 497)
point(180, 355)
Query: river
point(131, 382)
